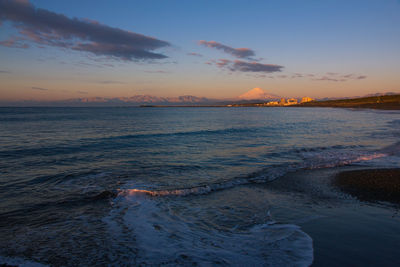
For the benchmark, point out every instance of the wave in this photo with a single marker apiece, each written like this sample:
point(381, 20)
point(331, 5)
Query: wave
point(169, 238)
point(392, 150)
point(71, 201)
point(112, 142)
point(164, 236)
point(312, 159)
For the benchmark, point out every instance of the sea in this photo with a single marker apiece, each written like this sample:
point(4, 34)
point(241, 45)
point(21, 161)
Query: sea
point(132, 186)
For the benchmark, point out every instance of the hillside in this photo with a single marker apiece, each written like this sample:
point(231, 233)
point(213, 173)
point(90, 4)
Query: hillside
point(389, 102)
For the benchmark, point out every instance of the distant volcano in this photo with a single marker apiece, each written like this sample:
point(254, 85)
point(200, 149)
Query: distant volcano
point(257, 94)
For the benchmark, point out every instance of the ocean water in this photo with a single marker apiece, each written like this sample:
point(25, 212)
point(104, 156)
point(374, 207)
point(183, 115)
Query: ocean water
point(170, 186)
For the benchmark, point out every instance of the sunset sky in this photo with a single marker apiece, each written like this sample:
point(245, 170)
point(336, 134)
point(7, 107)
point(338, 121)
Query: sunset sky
point(52, 50)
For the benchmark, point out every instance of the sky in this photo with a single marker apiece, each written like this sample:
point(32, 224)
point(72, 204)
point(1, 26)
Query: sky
point(55, 50)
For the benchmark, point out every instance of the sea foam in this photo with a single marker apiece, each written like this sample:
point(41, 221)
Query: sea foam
point(167, 238)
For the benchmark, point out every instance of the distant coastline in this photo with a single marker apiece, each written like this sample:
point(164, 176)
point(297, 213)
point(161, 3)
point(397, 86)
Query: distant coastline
point(386, 102)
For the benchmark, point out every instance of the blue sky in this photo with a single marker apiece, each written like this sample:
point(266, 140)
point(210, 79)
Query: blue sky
point(315, 48)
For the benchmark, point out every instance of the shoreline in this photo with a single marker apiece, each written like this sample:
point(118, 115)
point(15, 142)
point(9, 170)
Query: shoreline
point(346, 231)
point(370, 184)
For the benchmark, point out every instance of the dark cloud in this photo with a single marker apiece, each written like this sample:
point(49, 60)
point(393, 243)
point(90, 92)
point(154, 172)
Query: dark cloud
point(5, 71)
point(244, 66)
point(44, 27)
point(195, 54)
point(236, 52)
point(39, 88)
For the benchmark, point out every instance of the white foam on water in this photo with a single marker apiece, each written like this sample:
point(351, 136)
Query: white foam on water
point(163, 237)
point(335, 158)
point(311, 160)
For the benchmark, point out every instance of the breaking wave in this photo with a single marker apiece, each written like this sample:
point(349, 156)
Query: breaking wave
point(168, 238)
point(312, 159)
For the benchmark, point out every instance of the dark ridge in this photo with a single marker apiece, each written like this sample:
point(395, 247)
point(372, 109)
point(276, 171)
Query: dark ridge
point(371, 184)
point(389, 102)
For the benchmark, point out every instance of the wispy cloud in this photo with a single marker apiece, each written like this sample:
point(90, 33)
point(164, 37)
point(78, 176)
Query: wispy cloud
point(44, 27)
point(236, 52)
point(361, 77)
point(5, 71)
point(14, 41)
point(82, 92)
point(111, 82)
point(39, 88)
point(244, 66)
point(337, 77)
point(156, 71)
point(297, 75)
point(194, 54)
point(328, 76)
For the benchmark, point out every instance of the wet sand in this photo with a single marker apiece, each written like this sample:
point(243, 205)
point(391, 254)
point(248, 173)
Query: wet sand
point(345, 230)
point(371, 184)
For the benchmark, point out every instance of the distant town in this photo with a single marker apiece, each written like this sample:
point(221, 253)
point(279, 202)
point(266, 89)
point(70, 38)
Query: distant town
point(388, 102)
point(282, 102)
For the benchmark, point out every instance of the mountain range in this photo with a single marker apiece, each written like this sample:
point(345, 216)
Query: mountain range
point(252, 96)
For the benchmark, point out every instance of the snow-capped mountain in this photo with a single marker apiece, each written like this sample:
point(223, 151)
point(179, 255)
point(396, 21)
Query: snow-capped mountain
point(257, 94)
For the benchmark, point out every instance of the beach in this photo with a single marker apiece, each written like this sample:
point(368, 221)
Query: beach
point(371, 184)
point(345, 231)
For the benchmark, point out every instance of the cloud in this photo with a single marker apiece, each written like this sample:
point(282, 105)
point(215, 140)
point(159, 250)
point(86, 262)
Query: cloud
point(44, 27)
point(82, 92)
point(222, 62)
point(39, 88)
point(110, 82)
point(156, 71)
point(325, 78)
point(243, 66)
point(236, 52)
point(255, 67)
point(328, 76)
point(5, 71)
point(194, 54)
point(14, 42)
point(337, 77)
point(297, 75)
